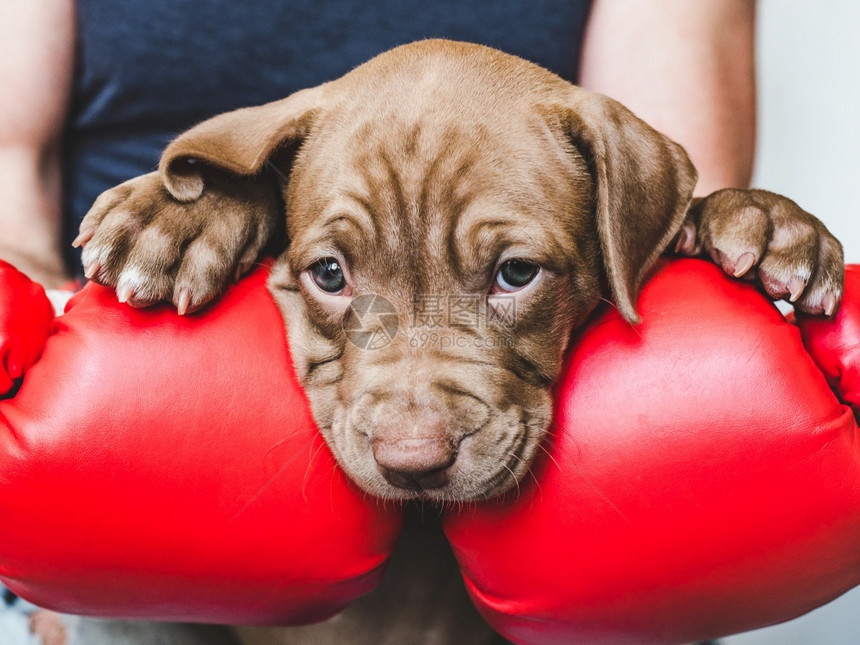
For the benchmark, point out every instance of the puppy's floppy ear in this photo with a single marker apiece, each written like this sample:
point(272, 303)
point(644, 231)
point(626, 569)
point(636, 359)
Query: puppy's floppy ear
point(239, 142)
point(643, 187)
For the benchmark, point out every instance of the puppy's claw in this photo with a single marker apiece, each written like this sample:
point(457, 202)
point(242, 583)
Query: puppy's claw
point(124, 293)
point(92, 269)
point(795, 289)
point(683, 240)
point(744, 264)
point(83, 237)
point(829, 304)
point(183, 301)
point(241, 269)
point(686, 243)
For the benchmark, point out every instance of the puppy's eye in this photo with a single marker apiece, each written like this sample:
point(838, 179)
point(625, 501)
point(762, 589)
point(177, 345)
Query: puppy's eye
point(513, 275)
point(327, 274)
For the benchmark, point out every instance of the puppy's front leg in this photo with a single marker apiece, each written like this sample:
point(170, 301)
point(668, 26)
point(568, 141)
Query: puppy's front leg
point(760, 235)
point(150, 246)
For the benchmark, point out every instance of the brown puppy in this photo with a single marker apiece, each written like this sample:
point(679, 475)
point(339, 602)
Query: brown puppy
point(452, 213)
point(486, 200)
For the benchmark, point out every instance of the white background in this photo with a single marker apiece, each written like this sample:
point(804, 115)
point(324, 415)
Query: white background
point(809, 149)
point(809, 110)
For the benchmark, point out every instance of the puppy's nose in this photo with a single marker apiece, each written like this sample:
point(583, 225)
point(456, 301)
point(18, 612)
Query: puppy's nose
point(415, 464)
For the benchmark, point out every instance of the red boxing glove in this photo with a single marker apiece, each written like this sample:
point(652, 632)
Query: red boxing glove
point(158, 466)
point(835, 343)
point(701, 479)
point(25, 323)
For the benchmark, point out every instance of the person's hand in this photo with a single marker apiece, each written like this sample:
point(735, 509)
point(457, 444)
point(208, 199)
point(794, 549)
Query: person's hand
point(49, 627)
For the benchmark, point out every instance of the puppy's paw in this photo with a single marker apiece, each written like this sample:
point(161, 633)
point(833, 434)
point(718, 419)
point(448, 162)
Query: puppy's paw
point(758, 235)
point(151, 247)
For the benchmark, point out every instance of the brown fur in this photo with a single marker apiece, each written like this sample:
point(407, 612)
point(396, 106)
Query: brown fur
point(420, 172)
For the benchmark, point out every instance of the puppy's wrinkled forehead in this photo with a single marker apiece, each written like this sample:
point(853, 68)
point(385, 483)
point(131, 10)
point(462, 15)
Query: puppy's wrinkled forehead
point(446, 166)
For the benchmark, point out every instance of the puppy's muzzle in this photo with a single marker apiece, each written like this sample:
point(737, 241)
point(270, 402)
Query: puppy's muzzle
point(411, 437)
point(415, 464)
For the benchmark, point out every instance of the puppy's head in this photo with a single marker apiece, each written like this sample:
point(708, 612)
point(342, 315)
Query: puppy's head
point(452, 214)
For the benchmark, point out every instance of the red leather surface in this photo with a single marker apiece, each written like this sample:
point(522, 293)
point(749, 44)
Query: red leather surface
point(701, 479)
point(159, 466)
point(835, 344)
point(25, 323)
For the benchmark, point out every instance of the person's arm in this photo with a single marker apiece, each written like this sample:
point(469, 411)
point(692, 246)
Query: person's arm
point(36, 63)
point(687, 67)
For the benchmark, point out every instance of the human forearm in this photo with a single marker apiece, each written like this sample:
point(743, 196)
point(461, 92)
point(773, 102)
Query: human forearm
point(30, 228)
point(687, 68)
point(36, 59)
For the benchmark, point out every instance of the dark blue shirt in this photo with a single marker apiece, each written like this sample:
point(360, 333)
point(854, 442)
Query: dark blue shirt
point(149, 69)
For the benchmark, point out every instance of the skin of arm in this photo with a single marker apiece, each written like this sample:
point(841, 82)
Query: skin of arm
point(686, 67)
point(36, 66)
